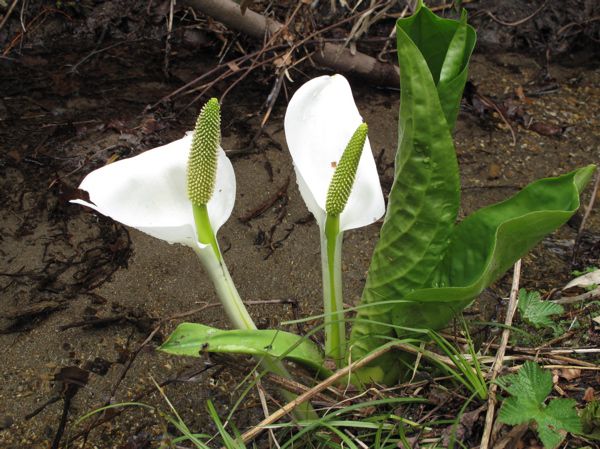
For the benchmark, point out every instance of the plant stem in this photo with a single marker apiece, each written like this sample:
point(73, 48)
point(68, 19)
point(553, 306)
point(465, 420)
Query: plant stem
point(204, 229)
point(228, 295)
point(212, 260)
point(331, 257)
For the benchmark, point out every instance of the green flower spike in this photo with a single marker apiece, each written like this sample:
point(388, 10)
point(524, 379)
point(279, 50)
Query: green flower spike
point(345, 172)
point(331, 244)
point(202, 163)
point(202, 170)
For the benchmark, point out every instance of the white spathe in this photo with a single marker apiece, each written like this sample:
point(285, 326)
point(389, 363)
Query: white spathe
point(319, 122)
point(149, 192)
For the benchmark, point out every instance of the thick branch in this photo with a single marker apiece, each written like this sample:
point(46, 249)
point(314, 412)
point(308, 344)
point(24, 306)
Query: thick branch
point(333, 56)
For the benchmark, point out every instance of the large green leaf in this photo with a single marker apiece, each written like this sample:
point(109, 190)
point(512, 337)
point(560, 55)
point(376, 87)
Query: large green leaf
point(425, 268)
point(446, 46)
point(425, 196)
point(487, 243)
point(193, 339)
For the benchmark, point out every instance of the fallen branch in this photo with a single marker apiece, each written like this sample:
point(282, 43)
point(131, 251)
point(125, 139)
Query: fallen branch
point(333, 56)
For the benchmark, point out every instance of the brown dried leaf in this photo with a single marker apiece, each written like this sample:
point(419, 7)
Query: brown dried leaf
point(570, 373)
point(283, 61)
point(412, 441)
point(589, 394)
point(494, 171)
point(244, 5)
point(233, 66)
point(464, 429)
point(546, 129)
point(150, 125)
point(15, 155)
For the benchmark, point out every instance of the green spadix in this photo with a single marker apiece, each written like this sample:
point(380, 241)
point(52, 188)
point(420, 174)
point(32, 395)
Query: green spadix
point(202, 170)
point(202, 163)
point(345, 172)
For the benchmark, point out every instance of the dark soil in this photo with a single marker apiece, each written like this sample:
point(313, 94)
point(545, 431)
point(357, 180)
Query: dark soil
point(81, 294)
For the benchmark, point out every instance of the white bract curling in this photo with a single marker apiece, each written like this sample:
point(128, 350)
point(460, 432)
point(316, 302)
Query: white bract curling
point(148, 192)
point(320, 120)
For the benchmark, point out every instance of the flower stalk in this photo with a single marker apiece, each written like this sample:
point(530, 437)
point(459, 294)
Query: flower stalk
point(333, 304)
point(201, 180)
point(338, 193)
point(338, 181)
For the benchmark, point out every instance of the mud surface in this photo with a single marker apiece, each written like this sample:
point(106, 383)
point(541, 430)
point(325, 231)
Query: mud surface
point(64, 266)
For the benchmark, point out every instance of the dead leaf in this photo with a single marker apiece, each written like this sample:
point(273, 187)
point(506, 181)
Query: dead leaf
point(72, 376)
point(244, 5)
point(116, 125)
point(287, 36)
point(494, 171)
point(589, 394)
point(514, 438)
point(587, 280)
point(463, 431)
point(233, 66)
point(570, 373)
point(112, 159)
point(150, 125)
point(412, 441)
point(15, 155)
point(283, 61)
point(546, 129)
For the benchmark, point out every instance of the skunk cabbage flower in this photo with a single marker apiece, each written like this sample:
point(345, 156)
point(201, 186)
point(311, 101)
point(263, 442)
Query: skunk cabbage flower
point(338, 181)
point(319, 122)
point(148, 192)
point(183, 193)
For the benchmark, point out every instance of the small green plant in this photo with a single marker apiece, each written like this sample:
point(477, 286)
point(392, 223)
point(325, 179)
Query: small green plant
point(468, 370)
point(590, 419)
point(529, 390)
point(536, 312)
point(586, 270)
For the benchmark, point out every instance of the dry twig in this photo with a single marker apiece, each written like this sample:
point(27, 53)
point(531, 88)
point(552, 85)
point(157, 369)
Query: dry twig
point(510, 313)
point(587, 296)
point(518, 22)
point(8, 13)
point(286, 409)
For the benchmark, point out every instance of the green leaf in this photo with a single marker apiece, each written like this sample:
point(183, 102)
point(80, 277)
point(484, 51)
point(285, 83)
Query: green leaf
point(590, 419)
point(528, 391)
point(425, 196)
point(536, 312)
point(446, 46)
point(193, 339)
point(487, 243)
point(425, 269)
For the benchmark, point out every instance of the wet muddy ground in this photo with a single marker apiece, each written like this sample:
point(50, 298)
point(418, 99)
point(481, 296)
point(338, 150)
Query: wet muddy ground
point(78, 290)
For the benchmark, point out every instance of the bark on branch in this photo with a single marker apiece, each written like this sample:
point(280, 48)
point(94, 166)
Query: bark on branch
point(333, 56)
